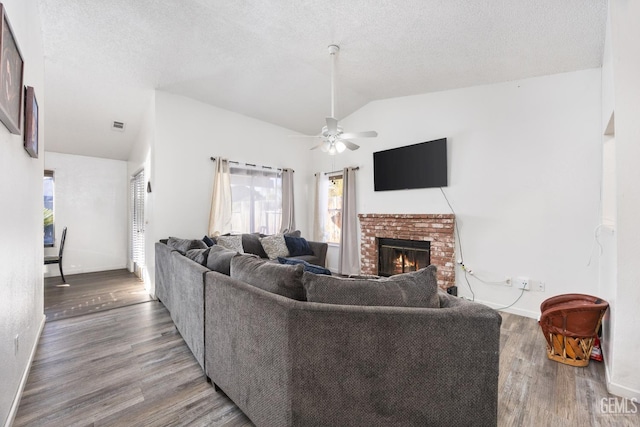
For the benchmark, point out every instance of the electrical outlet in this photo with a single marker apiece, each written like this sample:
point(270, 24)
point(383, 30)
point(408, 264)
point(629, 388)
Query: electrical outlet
point(522, 283)
point(539, 286)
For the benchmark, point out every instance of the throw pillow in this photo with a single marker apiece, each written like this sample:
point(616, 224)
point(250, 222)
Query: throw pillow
point(275, 246)
point(297, 246)
point(251, 244)
point(415, 289)
point(311, 268)
point(183, 245)
point(285, 280)
point(231, 242)
point(294, 233)
point(219, 259)
point(198, 255)
point(208, 241)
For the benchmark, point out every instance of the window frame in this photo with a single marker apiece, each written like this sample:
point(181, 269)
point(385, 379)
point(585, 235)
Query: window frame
point(50, 174)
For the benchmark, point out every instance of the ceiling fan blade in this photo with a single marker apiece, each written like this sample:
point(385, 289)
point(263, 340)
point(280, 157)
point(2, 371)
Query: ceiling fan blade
point(350, 145)
point(366, 134)
point(304, 136)
point(317, 146)
point(332, 125)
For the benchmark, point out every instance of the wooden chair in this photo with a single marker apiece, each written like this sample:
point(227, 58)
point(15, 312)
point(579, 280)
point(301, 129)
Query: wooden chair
point(570, 323)
point(57, 259)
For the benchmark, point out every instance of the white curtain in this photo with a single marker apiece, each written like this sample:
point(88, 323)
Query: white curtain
point(320, 207)
point(220, 216)
point(349, 258)
point(288, 211)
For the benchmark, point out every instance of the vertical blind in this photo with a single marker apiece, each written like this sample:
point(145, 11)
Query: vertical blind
point(137, 223)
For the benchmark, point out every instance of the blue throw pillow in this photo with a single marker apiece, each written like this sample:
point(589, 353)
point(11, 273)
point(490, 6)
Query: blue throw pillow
point(311, 268)
point(297, 246)
point(208, 240)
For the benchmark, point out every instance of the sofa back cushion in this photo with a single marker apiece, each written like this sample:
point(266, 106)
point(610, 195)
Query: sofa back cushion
point(415, 289)
point(219, 259)
point(198, 255)
point(183, 245)
point(285, 280)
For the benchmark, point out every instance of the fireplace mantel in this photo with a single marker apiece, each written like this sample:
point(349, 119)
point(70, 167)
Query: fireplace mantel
point(438, 229)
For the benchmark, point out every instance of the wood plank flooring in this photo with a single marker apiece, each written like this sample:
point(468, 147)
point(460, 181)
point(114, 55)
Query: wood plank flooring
point(91, 292)
point(130, 367)
point(122, 367)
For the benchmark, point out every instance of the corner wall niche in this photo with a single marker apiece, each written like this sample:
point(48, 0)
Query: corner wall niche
point(437, 229)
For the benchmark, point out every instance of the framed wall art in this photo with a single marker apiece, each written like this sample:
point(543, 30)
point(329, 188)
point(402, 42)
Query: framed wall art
point(30, 122)
point(11, 71)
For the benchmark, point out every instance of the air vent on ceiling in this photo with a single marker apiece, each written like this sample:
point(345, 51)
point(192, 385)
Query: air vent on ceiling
point(119, 126)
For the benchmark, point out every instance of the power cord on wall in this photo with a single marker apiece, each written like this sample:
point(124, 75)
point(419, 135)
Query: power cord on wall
point(513, 303)
point(457, 234)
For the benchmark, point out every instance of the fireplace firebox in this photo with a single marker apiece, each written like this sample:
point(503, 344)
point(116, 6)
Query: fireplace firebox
point(397, 256)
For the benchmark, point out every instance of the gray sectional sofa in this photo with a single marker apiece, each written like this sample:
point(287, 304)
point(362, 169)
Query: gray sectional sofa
point(287, 362)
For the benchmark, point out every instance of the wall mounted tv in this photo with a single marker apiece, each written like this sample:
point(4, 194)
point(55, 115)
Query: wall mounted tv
point(422, 165)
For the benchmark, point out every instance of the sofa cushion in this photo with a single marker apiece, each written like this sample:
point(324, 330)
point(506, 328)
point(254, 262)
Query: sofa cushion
point(285, 280)
point(415, 289)
point(316, 269)
point(183, 245)
point(231, 242)
point(294, 233)
point(297, 246)
point(251, 244)
point(208, 241)
point(219, 259)
point(275, 246)
point(198, 255)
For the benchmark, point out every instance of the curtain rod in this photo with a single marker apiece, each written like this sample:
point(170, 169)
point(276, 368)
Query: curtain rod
point(213, 159)
point(341, 170)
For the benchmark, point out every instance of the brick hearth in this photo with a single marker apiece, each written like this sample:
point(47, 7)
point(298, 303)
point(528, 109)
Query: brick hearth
point(435, 228)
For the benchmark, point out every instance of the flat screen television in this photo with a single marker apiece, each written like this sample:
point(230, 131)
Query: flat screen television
point(422, 165)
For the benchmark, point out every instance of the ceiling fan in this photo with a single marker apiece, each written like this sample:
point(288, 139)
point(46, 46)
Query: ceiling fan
point(334, 140)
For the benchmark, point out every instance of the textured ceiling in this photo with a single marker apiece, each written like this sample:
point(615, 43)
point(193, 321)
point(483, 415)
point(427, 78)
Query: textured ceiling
point(269, 59)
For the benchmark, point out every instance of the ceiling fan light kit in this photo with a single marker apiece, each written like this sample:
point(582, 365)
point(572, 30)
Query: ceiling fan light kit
point(334, 140)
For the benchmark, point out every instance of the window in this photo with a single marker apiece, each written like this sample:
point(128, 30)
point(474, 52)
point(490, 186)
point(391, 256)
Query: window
point(256, 196)
point(49, 230)
point(136, 245)
point(333, 219)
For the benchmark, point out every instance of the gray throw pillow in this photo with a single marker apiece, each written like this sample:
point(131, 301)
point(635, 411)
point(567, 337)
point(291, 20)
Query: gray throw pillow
point(415, 289)
point(231, 242)
point(198, 255)
point(183, 245)
point(251, 244)
point(219, 259)
point(285, 280)
point(275, 246)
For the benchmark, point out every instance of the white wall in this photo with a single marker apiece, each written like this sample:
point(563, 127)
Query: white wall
point(140, 159)
point(90, 198)
point(524, 176)
point(21, 246)
point(621, 286)
point(187, 134)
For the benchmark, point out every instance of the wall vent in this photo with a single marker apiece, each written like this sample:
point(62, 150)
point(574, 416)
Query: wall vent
point(118, 126)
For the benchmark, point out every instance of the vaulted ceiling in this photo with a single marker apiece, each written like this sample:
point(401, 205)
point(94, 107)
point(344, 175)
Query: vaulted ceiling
point(269, 59)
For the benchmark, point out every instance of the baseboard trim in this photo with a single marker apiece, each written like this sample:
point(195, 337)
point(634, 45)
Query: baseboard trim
point(620, 390)
point(512, 310)
point(25, 376)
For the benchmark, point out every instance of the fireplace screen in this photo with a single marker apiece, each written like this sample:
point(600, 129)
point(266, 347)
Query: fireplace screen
point(397, 256)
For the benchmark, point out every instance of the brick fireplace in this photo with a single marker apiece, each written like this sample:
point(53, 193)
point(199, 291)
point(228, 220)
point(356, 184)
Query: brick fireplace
point(435, 228)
